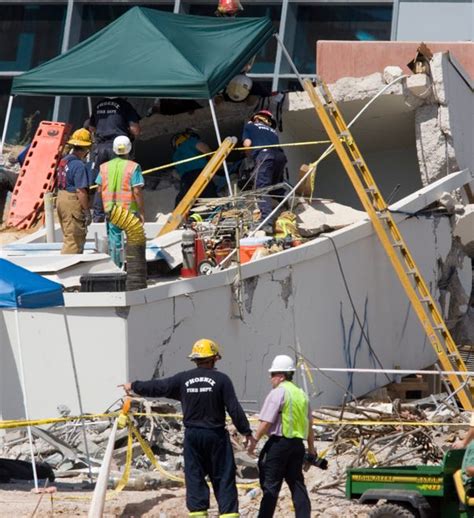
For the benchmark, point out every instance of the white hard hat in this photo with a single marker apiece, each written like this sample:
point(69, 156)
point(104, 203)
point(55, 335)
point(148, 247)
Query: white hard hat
point(122, 145)
point(282, 363)
point(239, 88)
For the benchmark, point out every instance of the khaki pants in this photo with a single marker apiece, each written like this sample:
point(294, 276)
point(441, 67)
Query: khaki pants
point(72, 222)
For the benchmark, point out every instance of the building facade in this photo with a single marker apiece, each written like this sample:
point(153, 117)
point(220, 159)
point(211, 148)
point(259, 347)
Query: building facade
point(32, 32)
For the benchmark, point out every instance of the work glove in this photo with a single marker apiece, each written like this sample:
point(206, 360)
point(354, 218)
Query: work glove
point(87, 216)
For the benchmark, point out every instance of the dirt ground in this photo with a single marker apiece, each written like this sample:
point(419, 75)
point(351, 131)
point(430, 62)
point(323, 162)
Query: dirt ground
point(16, 500)
point(10, 235)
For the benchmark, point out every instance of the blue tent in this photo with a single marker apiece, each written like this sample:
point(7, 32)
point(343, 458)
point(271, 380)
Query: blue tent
point(20, 288)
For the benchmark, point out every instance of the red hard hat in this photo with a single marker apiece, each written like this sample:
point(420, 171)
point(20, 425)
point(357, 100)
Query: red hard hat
point(229, 7)
point(267, 114)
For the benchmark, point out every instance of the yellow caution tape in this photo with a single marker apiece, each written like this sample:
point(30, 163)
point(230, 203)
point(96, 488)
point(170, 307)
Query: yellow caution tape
point(18, 423)
point(128, 462)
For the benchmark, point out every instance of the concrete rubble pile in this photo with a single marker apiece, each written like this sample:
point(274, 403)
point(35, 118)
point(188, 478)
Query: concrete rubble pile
point(343, 444)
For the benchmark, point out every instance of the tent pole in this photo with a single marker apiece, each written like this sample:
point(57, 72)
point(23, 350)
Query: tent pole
point(219, 141)
point(78, 390)
point(25, 401)
point(5, 124)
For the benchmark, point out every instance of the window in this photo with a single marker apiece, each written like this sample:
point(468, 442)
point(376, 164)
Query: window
point(29, 35)
point(335, 22)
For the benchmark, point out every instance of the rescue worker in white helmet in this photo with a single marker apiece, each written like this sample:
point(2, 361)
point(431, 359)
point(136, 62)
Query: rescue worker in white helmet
point(287, 420)
point(188, 144)
point(120, 183)
point(270, 162)
point(205, 395)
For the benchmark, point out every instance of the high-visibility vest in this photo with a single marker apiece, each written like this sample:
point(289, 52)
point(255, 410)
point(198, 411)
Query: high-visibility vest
point(116, 177)
point(294, 416)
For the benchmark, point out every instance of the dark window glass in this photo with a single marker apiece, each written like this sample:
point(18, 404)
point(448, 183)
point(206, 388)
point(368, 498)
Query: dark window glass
point(27, 112)
point(265, 62)
point(29, 35)
point(96, 17)
point(336, 22)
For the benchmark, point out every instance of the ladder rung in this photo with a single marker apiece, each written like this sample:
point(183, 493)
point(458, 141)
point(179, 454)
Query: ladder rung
point(359, 162)
point(426, 300)
point(398, 244)
point(411, 272)
point(370, 190)
point(344, 134)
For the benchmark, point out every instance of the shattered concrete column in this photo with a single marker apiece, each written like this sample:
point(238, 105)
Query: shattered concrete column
point(434, 140)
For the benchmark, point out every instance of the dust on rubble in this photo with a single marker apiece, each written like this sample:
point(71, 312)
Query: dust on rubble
point(150, 493)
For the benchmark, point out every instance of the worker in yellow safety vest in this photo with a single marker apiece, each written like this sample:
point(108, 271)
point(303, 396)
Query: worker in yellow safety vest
point(120, 182)
point(286, 419)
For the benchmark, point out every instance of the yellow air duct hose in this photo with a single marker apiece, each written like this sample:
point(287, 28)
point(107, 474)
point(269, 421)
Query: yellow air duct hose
point(130, 224)
point(135, 248)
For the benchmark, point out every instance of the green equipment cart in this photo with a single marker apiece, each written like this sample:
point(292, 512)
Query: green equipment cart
point(413, 491)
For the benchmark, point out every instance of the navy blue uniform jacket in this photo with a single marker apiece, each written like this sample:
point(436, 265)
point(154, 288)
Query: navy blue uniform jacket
point(205, 395)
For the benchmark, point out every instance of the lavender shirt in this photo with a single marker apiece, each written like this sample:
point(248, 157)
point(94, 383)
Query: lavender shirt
point(272, 408)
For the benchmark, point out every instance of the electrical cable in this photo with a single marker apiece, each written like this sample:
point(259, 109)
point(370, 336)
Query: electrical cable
point(364, 334)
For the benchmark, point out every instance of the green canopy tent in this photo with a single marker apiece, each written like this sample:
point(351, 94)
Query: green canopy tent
point(150, 53)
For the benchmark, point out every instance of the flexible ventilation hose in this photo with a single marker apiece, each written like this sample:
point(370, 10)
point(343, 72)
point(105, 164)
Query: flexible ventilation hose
point(135, 248)
point(130, 224)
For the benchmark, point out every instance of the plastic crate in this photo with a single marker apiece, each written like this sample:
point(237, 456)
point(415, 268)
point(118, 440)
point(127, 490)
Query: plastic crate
point(93, 282)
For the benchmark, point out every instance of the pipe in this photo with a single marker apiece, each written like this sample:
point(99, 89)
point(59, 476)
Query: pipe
point(135, 247)
point(96, 509)
point(219, 141)
point(49, 217)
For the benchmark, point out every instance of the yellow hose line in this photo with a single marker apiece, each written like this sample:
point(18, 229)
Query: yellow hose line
point(130, 224)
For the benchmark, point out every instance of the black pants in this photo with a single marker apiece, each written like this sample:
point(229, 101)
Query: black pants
point(188, 179)
point(209, 452)
point(282, 459)
point(269, 170)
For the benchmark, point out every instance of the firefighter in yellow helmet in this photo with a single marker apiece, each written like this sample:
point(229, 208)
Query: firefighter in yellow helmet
point(73, 193)
point(205, 395)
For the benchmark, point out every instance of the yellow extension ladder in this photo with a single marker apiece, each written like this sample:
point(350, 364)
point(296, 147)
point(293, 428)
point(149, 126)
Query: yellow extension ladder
point(392, 241)
point(206, 175)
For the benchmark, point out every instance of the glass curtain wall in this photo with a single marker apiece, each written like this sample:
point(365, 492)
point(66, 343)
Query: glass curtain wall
point(31, 33)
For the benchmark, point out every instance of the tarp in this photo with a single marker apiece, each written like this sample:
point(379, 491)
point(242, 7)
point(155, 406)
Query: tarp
point(20, 288)
point(151, 53)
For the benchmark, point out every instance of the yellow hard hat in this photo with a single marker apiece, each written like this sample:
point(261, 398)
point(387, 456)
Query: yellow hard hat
point(204, 348)
point(80, 138)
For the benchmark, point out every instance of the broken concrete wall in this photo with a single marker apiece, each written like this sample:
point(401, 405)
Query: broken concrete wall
point(385, 135)
point(295, 298)
point(444, 127)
